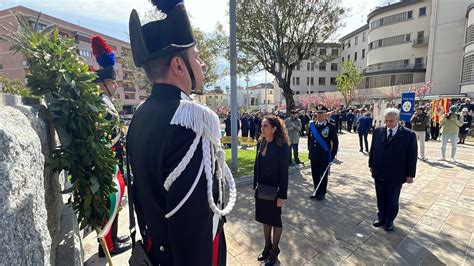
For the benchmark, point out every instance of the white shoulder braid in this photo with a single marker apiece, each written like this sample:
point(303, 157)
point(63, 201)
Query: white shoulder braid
point(205, 123)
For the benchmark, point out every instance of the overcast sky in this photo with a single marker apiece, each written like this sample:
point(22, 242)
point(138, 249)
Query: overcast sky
point(111, 16)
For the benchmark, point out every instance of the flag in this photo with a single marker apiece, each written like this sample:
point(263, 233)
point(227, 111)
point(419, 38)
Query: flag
point(439, 107)
point(115, 201)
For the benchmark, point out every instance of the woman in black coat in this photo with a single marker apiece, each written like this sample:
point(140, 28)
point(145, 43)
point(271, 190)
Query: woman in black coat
point(271, 169)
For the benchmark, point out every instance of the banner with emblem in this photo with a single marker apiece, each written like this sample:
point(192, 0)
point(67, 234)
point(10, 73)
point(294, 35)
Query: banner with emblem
point(408, 106)
point(438, 108)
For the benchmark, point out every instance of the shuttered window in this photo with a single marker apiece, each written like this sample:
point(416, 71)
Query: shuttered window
point(468, 69)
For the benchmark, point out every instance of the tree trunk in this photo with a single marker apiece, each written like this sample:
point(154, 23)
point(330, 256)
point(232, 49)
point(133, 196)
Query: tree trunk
point(288, 94)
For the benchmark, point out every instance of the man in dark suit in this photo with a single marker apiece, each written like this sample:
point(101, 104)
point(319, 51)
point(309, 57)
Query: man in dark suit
point(173, 148)
point(322, 150)
point(392, 161)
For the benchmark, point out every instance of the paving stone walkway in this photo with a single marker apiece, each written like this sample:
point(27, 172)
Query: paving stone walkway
point(435, 224)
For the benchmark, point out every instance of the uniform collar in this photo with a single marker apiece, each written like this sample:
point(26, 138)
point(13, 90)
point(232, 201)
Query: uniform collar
point(164, 91)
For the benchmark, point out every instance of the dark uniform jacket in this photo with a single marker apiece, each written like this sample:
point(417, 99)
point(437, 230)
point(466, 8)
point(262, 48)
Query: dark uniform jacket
point(155, 149)
point(328, 132)
point(392, 161)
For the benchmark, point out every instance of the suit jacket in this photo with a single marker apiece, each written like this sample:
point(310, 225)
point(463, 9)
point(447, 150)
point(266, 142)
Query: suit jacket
point(276, 173)
point(365, 123)
point(393, 160)
point(155, 148)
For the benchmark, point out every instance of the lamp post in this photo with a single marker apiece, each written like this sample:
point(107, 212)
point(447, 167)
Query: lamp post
point(233, 79)
point(247, 79)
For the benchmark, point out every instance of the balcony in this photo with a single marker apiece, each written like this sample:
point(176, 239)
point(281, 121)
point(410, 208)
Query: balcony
point(420, 42)
point(394, 67)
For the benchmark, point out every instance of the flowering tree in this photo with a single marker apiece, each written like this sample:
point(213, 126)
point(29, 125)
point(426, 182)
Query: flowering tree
point(307, 101)
point(393, 94)
point(424, 89)
point(330, 101)
point(361, 96)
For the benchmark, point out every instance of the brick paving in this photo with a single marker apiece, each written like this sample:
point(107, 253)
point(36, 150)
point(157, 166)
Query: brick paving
point(435, 224)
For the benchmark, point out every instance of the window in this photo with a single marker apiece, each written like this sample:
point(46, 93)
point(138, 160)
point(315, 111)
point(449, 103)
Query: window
point(297, 92)
point(322, 51)
point(298, 67)
point(293, 81)
point(1, 66)
point(342, 59)
point(335, 52)
point(348, 57)
point(333, 66)
point(312, 81)
point(356, 40)
point(312, 66)
point(210, 97)
point(371, 46)
point(355, 56)
point(380, 43)
point(333, 81)
point(468, 69)
point(408, 37)
point(363, 53)
point(393, 19)
point(349, 43)
point(308, 66)
point(419, 62)
point(410, 14)
point(363, 36)
point(322, 66)
point(422, 11)
point(322, 81)
point(469, 34)
point(307, 81)
point(297, 80)
point(343, 46)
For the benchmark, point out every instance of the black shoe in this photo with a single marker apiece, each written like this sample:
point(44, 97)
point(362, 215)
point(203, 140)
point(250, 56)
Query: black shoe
point(298, 162)
point(367, 151)
point(119, 248)
point(320, 197)
point(264, 255)
point(361, 150)
point(312, 196)
point(388, 226)
point(273, 257)
point(123, 239)
point(378, 223)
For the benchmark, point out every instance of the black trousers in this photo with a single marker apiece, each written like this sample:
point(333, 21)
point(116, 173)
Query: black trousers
point(349, 126)
point(339, 125)
point(435, 132)
point(245, 133)
point(388, 195)
point(365, 140)
point(317, 170)
point(294, 147)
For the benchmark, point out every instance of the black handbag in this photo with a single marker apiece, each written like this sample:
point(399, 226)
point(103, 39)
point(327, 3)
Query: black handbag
point(265, 192)
point(139, 256)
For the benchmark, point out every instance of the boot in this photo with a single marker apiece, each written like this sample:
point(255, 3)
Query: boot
point(266, 251)
point(273, 257)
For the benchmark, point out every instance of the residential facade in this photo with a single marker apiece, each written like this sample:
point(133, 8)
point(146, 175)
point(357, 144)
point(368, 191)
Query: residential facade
point(414, 41)
point(260, 97)
point(213, 100)
point(354, 46)
point(14, 66)
point(467, 73)
point(317, 76)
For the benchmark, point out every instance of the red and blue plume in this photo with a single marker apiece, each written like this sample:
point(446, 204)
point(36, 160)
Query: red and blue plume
point(103, 52)
point(166, 6)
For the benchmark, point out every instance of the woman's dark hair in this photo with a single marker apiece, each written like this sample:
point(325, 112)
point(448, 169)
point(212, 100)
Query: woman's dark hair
point(281, 134)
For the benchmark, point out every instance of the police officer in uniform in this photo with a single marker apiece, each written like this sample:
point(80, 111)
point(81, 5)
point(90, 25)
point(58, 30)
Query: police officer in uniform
point(173, 144)
point(322, 145)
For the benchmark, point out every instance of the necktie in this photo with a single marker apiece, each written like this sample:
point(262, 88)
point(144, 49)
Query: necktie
point(390, 136)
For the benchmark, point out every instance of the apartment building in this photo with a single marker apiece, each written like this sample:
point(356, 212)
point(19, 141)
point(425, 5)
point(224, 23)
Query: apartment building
point(213, 100)
point(467, 74)
point(413, 41)
point(354, 46)
point(14, 66)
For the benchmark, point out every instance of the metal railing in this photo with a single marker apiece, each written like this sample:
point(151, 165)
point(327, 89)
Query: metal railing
point(420, 41)
point(392, 67)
